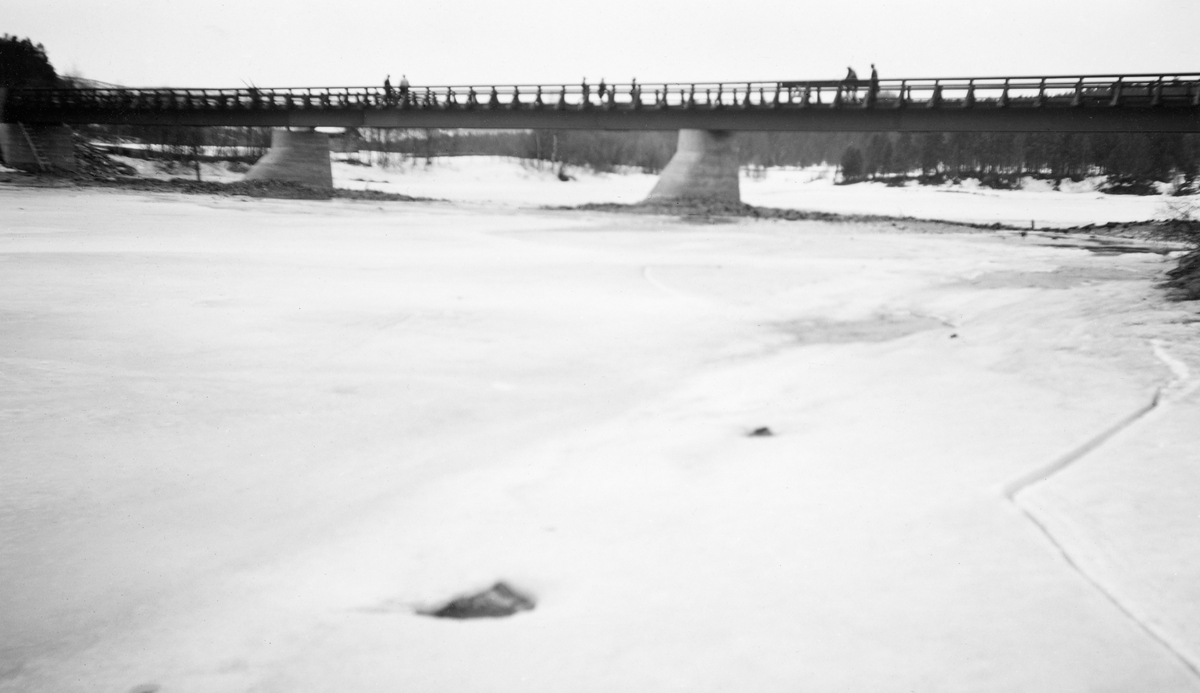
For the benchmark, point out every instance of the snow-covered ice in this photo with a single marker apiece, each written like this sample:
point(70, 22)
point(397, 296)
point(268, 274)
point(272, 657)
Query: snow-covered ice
point(242, 442)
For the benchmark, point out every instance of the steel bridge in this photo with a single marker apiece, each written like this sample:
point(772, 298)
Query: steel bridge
point(1072, 103)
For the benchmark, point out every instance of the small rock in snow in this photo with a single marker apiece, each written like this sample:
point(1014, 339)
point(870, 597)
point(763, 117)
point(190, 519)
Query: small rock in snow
point(761, 432)
point(494, 602)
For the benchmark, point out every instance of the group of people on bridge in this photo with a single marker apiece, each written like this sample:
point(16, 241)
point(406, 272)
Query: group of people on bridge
point(848, 88)
point(391, 95)
point(852, 83)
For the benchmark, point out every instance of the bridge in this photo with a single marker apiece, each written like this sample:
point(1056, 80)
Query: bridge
point(704, 113)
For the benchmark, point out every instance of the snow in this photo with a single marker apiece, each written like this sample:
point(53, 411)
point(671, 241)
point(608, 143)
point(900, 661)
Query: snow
point(209, 171)
point(1075, 204)
point(517, 183)
point(494, 180)
point(244, 440)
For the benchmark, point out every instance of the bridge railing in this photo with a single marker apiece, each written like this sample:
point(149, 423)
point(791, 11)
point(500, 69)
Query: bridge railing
point(1088, 91)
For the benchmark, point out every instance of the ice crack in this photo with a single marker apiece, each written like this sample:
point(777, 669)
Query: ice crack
point(1180, 385)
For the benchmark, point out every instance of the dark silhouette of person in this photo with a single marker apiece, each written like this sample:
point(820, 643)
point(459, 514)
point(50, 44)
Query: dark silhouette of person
point(404, 88)
point(387, 89)
point(873, 92)
point(601, 89)
point(851, 83)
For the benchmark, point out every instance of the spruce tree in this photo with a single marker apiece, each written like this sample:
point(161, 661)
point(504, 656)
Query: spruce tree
point(24, 64)
point(852, 165)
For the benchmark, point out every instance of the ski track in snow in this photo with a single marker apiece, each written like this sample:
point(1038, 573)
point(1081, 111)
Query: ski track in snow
point(1181, 385)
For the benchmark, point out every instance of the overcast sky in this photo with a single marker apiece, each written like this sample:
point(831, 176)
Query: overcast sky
point(358, 42)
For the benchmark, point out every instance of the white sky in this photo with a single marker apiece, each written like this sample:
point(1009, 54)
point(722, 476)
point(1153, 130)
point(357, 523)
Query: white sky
point(355, 42)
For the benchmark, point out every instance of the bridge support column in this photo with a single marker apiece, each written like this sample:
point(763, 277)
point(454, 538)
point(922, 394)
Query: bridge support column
point(704, 169)
point(297, 156)
point(30, 147)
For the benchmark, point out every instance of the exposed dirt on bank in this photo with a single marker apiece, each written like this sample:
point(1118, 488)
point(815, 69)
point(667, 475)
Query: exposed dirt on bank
point(248, 188)
point(1173, 231)
point(1184, 281)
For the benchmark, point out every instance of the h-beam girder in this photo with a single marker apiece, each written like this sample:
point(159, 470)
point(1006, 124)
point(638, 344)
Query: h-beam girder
point(814, 119)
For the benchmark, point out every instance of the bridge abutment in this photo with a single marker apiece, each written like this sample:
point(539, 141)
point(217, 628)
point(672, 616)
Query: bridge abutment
point(704, 169)
point(29, 147)
point(296, 156)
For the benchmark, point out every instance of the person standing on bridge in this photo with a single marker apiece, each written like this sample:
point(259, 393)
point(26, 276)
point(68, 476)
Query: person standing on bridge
point(873, 90)
point(851, 83)
point(387, 90)
point(403, 88)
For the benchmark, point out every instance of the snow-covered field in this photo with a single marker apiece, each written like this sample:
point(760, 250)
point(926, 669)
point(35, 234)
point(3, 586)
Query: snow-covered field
point(242, 442)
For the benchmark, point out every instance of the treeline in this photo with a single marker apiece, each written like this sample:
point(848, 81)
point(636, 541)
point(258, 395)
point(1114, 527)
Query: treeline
point(598, 150)
point(246, 144)
point(1132, 162)
point(23, 63)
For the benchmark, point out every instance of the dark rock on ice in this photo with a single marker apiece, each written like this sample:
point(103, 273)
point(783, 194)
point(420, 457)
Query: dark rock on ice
point(496, 601)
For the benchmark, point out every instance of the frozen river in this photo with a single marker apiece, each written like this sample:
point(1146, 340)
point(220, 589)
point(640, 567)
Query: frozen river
point(242, 441)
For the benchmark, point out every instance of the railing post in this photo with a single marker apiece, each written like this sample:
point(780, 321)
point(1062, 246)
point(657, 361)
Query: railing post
point(935, 101)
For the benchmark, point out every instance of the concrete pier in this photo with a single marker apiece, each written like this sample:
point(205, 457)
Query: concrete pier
point(55, 147)
point(298, 156)
point(704, 169)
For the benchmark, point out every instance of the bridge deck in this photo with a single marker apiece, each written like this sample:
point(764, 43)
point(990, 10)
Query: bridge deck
point(1089, 103)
